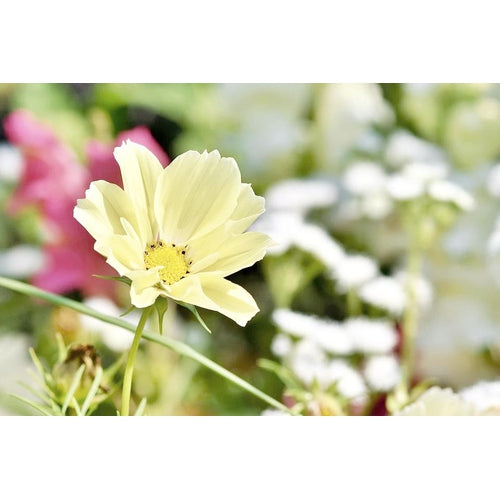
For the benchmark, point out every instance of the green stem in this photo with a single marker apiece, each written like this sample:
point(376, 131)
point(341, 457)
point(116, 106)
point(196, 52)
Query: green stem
point(129, 367)
point(175, 345)
point(410, 317)
point(353, 303)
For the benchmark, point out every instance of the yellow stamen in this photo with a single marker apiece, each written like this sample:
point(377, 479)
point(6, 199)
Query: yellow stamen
point(171, 257)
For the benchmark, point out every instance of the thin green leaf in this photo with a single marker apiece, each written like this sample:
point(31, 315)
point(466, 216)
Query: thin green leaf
point(128, 311)
point(72, 388)
point(196, 314)
point(36, 393)
point(37, 407)
point(122, 279)
point(283, 373)
point(76, 406)
point(140, 409)
point(93, 390)
point(37, 362)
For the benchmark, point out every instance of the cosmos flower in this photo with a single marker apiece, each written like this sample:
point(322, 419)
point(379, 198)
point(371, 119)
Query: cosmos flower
point(438, 402)
point(177, 232)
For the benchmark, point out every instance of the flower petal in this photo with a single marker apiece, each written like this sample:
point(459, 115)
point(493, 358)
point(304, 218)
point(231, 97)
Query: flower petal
point(102, 210)
point(213, 292)
point(195, 194)
point(236, 253)
point(204, 249)
point(143, 291)
point(140, 171)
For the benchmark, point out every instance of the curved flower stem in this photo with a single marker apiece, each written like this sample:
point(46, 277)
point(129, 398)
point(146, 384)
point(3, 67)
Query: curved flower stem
point(129, 367)
point(175, 345)
point(410, 317)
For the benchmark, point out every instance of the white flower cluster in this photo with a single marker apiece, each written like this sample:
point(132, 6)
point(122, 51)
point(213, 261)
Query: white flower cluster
point(310, 347)
point(366, 182)
point(482, 398)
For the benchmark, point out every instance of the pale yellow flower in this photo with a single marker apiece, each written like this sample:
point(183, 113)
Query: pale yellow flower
point(438, 402)
point(177, 232)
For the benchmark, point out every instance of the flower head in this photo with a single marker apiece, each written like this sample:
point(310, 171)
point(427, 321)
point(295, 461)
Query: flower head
point(177, 232)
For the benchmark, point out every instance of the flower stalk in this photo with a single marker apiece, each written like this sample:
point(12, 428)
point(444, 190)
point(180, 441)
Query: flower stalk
point(410, 317)
point(129, 368)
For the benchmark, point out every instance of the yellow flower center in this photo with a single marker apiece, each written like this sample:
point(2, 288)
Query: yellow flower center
point(171, 257)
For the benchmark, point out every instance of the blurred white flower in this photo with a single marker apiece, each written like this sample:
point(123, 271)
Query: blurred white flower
point(332, 337)
point(493, 180)
point(294, 323)
point(425, 172)
point(343, 113)
point(281, 227)
point(370, 142)
point(382, 373)
point(349, 382)
point(423, 289)
point(438, 402)
point(114, 337)
point(316, 241)
point(364, 177)
point(271, 412)
point(326, 334)
point(402, 187)
point(442, 190)
point(403, 147)
point(281, 345)
point(376, 205)
point(493, 244)
point(371, 336)
point(414, 179)
point(265, 121)
point(300, 195)
point(354, 270)
point(485, 396)
point(307, 361)
point(11, 163)
point(21, 261)
point(384, 292)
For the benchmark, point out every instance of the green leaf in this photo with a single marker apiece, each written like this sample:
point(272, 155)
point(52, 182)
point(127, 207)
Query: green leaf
point(122, 279)
point(196, 314)
point(128, 311)
point(92, 391)
point(283, 373)
point(140, 409)
point(73, 387)
point(41, 409)
point(161, 307)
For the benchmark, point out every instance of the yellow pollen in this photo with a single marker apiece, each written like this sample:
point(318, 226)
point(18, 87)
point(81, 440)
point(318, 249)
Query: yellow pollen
point(171, 257)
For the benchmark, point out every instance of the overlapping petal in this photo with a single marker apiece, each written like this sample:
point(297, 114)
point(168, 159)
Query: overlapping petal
point(140, 171)
point(216, 293)
point(195, 194)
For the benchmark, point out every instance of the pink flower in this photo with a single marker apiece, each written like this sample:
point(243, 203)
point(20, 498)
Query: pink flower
point(52, 180)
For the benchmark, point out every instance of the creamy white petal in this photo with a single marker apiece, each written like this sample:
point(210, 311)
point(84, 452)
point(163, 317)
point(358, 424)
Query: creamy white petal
point(204, 249)
point(125, 254)
point(143, 291)
point(237, 253)
point(213, 292)
point(195, 194)
point(140, 171)
point(102, 211)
